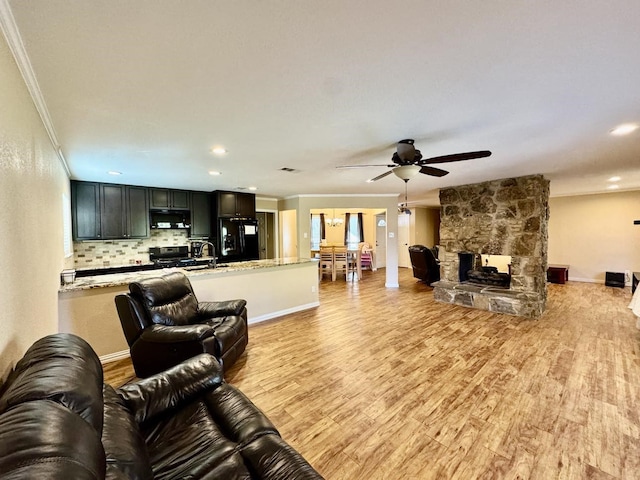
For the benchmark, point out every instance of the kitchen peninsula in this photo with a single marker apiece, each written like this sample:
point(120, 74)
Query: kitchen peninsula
point(272, 288)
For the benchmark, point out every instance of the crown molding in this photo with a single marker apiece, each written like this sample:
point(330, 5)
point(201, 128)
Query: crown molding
point(14, 41)
point(340, 195)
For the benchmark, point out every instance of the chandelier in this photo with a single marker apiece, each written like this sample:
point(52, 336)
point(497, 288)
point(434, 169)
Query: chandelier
point(333, 221)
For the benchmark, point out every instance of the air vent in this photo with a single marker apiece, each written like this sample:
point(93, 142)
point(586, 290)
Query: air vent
point(287, 169)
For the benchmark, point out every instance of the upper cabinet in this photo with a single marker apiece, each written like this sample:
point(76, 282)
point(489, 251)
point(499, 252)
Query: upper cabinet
point(170, 199)
point(102, 211)
point(234, 204)
point(85, 210)
point(200, 214)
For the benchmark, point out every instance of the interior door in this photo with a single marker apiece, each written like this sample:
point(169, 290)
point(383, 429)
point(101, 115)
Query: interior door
point(381, 240)
point(403, 240)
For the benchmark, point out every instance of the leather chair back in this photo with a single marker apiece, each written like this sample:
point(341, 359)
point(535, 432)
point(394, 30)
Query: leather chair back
point(167, 300)
point(424, 264)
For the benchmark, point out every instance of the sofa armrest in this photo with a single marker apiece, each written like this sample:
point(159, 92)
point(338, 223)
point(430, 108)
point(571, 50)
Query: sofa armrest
point(220, 309)
point(153, 395)
point(176, 333)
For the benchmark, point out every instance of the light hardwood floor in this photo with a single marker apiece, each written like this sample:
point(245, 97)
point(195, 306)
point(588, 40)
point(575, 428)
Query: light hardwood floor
point(381, 383)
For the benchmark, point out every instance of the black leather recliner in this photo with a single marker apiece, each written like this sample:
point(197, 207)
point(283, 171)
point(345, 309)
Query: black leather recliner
point(424, 264)
point(165, 324)
point(58, 420)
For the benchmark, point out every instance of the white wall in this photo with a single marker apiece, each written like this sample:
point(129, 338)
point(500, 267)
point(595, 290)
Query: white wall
point(595, 234)
point(32, 182)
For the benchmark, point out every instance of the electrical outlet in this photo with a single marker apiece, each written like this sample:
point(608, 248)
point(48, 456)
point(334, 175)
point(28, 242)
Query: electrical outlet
point(313, 289)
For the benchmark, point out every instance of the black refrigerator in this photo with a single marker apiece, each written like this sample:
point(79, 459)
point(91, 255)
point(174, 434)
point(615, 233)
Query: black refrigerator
point(237, 239)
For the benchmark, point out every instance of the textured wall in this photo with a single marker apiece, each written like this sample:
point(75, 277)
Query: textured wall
point(32, 183)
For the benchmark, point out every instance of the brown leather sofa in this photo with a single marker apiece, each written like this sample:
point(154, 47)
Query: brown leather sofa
point(164, 324)
point(59, 421)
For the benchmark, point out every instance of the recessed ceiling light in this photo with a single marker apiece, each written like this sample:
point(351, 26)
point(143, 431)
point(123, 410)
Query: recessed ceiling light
point(613, 187)
point(253, 189)
point(624, 129)
point(213, 172)
point(219, 150)
point(113, 172)
point(615, 179)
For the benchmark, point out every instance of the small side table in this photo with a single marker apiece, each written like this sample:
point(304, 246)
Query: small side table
point(558, 273)
point(634, 281)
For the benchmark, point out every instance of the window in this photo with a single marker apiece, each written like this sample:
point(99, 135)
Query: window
point(316, 232)
point(354, 231)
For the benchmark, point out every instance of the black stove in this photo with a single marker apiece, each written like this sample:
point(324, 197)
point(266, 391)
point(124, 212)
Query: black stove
point(175, 262)
point(165, 257)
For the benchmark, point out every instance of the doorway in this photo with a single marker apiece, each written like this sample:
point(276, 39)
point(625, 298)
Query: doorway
point(266, 234)
point(381, 240)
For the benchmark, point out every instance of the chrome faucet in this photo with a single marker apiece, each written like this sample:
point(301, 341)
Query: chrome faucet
point(212, 262)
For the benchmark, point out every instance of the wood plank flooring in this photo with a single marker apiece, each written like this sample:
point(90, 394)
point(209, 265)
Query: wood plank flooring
point(381, 383)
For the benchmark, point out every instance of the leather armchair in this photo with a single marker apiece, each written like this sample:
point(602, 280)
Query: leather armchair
point(424, 264)
point(165, 324)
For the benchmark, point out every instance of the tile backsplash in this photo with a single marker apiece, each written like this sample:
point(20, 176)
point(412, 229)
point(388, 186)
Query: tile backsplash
point(112, 253)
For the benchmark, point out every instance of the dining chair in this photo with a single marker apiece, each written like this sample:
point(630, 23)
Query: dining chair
point(326, 264)
point(340, 262)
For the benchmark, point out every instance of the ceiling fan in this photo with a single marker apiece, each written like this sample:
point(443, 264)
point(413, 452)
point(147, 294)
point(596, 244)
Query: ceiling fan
point(408, 162)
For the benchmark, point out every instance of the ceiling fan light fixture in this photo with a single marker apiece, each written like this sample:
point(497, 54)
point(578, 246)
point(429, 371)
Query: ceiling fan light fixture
point(406, 172)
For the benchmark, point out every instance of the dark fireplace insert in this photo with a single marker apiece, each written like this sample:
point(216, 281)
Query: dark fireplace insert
point(483, 275)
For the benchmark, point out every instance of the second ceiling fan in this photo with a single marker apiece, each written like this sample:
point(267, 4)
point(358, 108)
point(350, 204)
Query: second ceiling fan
point(408, 162)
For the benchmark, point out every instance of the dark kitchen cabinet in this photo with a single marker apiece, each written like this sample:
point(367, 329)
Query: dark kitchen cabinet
point(85, 210)
point(102, 211)
point(137, 210)
point(234, 204)
point(124, 211)
point(170, 199)
point(200, 214)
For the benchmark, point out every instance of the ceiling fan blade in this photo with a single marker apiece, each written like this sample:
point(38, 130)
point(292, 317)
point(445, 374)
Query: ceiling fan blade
point(360, 166)
point(433, 171)
point(382, 175)
point(455, 157)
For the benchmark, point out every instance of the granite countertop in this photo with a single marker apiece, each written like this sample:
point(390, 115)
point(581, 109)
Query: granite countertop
point(119, 279)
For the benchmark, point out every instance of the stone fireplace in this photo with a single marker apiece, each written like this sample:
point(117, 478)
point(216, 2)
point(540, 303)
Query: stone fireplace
point(500, 217)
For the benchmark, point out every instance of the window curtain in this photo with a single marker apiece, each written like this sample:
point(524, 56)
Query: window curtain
point(347, 217)
point(360, 228)
point(323, 232)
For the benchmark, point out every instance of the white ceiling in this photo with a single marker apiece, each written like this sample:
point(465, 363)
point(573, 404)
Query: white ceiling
point(148, 87)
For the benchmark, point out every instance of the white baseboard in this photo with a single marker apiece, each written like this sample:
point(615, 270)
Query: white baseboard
point(585, 280)
point(593, 280)
point(280, 313)
point(392, 285)
point(112, 357)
